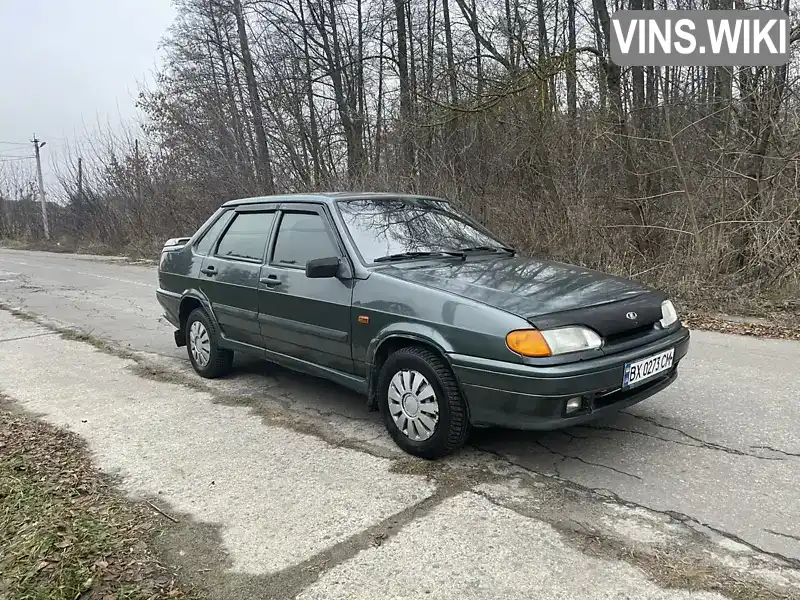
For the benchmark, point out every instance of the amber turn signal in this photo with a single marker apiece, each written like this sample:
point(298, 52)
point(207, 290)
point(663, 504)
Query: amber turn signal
point(528, 342)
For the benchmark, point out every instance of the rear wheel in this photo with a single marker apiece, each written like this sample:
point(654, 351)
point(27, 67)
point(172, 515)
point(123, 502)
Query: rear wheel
point(421, 405)
point(207, 358)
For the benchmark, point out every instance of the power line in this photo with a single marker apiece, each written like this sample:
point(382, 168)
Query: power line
point(14, 143)
point(16, 158)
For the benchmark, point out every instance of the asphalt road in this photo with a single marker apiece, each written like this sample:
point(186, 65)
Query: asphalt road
point(718, 450)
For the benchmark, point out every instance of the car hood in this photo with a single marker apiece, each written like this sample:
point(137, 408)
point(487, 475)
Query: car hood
point(545, 293)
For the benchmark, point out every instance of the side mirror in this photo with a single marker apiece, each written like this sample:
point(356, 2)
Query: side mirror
point(322, 267)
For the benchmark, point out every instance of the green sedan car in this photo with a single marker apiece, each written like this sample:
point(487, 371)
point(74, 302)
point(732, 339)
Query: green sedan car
point(408, 301)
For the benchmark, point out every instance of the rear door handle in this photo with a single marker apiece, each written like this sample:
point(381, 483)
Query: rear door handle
point(270, 280)
point(209, 270)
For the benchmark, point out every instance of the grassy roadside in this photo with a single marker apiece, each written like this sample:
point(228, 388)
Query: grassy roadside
point(64, 532)
point(149, 251)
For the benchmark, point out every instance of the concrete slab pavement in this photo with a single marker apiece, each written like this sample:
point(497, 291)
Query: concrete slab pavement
point(718, 453)
point(471, 549)
point(285, 502)
point(280, 496)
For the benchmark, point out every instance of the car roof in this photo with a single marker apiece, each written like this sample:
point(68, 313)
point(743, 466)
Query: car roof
point(327, 197)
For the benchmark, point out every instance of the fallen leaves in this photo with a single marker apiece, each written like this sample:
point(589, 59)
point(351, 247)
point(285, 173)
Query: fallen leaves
point(64, 533)
point(756, 328)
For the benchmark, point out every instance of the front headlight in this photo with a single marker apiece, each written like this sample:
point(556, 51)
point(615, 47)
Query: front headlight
point(534, 343)
point(668, 313)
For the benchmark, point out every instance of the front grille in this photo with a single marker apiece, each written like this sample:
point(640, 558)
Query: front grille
point(633, 338)
point(629, 334)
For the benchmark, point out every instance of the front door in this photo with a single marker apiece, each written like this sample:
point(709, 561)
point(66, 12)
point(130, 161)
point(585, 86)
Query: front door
point(302, 317)
point(230, 273)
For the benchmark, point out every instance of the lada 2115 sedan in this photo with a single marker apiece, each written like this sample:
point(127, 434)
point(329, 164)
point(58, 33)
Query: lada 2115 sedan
point(408, 301)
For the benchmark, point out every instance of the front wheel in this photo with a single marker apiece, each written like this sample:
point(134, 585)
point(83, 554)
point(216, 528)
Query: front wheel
point(421, 405)
point(207, 358)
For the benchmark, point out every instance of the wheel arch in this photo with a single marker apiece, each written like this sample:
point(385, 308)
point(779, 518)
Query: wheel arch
point(190, 300)
point(390, 341)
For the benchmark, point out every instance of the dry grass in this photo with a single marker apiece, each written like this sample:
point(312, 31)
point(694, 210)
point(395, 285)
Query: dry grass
point(64, 533)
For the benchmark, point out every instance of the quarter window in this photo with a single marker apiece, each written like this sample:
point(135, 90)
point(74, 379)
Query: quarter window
point(303, 237)
point(247, 236)
point(210, 236)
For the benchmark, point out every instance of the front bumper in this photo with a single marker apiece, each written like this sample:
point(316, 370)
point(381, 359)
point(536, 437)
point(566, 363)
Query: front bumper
point(520, 396)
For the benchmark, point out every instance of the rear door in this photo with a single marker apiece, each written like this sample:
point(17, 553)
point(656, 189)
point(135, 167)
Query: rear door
point(303, 317)
point(230, 273)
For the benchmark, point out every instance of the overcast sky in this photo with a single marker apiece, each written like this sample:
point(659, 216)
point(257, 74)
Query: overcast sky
point(69, 64)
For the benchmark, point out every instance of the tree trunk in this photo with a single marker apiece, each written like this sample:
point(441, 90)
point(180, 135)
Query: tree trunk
point(448, 41)
point(313, 129)
point(237, 124)
point(637, 77)
point(478, 62)
point(264, 161)
point(406, 148)
point(247, 124)
point(572, 65)
point(379, 109)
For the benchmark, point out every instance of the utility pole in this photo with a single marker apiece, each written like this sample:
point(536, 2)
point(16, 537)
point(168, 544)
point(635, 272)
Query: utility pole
point(80, 179)
point(36, 146)
point(136, 173)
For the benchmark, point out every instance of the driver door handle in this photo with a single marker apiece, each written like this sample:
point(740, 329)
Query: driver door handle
point(270, 280)
point(209, 270)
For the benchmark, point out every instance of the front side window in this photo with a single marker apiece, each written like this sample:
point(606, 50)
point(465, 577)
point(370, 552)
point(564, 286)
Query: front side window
point(303, 237)
point(382, 228)
point(247, 236)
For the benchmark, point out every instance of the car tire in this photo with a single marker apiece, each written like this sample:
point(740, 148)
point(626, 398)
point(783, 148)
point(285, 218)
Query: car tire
point(452, 426)
point(207, 358)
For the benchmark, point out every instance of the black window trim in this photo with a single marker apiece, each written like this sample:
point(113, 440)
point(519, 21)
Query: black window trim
point(297, 207)
point(248, 210)
point(224, 214)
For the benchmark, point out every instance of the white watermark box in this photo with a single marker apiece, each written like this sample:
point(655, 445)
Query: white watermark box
point(700, 37)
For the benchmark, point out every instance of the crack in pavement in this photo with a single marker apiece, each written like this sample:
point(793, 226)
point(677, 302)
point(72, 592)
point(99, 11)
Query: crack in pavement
point(684, 518)
point(679, 517)
point(572, 437)
point(700, 442)
point(785, 535)
point(770, 448)
point(593, 464)
point(25, 337)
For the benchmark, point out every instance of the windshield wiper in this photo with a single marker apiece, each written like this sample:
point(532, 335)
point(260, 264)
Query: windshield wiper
point(487, 249)
point(420, 254)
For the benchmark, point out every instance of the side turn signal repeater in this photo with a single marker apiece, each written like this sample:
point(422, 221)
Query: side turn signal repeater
point(528, 342)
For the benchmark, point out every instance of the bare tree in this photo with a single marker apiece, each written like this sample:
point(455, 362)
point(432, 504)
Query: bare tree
point(676, 175)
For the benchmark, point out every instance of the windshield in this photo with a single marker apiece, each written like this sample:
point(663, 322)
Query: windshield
point(382, 228)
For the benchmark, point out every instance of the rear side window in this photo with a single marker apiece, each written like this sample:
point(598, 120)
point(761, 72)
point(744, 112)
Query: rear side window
point(212, 233)
point(247, 236)
point(303, 237)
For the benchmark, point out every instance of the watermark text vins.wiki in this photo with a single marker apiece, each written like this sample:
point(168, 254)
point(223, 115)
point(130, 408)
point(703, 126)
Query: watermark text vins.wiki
point(700, 37)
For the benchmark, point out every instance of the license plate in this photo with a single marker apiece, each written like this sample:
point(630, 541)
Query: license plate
point(636, 372)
